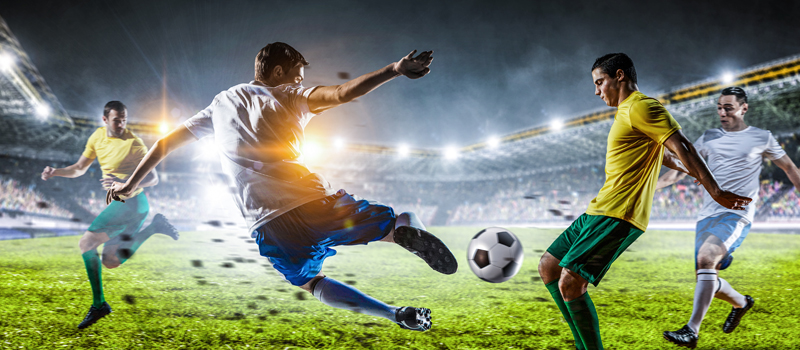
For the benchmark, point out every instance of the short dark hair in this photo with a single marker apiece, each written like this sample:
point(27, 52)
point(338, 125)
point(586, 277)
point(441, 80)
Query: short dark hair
point(115, 105)
point(277, 54)
point(741, 95)
point(612, 62)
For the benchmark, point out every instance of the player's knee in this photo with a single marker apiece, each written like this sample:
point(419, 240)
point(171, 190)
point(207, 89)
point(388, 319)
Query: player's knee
point(309, 286)
point(708, 258)
point(110, 263)
point(87, 243)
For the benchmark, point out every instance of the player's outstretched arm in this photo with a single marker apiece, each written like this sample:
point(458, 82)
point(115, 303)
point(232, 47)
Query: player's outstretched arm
point(74, 170)
point(683, 148)
point(669, 178)
point(788, 166)
point(177, 138)
point(327, 97)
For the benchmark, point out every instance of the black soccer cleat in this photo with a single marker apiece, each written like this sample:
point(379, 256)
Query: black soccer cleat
point(161, 225)
point(94, 315)
point(736, 315)
point(412, 318)
point(683, 337)
point(428, 247)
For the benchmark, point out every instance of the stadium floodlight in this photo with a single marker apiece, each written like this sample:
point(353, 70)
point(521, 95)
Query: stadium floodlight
point(728, 77)
point(42, 110)
point(403, 150)
point(6, 61)
point(493, 142)
point(311, 150)
point(338, 143)
point(451, 152)
point(163, 128)
point(556, 125)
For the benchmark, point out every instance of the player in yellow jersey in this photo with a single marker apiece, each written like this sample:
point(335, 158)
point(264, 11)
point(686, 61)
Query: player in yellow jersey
point(118, 151)
point(584, 252)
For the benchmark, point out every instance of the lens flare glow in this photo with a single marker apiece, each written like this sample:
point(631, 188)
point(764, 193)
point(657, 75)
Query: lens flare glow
point(403, 150)
point(556, 125)
point(728, 77)
point(493, 142)
point(451, 152)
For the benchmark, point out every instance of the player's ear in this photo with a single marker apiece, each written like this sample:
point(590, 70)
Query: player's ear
point(277, 71)
point(744, 107)
point(620, 74)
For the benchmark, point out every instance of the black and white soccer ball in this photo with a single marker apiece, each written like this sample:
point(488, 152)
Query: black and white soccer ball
point(495, 254)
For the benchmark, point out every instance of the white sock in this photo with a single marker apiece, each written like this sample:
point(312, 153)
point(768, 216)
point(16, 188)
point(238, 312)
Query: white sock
point(409, 219)
point(703, 295)
point(727, 293)
point(339, 295)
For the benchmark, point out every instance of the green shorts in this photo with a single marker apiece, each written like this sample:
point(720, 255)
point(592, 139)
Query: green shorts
point(590, 245)
point(118, 218)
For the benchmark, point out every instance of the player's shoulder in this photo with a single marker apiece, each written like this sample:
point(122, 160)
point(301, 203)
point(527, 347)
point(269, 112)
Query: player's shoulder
point(97, 134)
point(712, 134)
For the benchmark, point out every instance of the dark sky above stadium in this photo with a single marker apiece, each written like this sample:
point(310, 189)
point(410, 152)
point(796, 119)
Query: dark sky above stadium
point(499, 67)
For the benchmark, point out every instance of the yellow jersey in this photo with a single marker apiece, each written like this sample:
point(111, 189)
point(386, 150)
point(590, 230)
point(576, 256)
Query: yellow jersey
point(633, 159)
point(117, 156)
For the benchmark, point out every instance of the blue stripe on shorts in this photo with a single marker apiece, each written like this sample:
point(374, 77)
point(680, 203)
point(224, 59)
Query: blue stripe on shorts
point(298, 241)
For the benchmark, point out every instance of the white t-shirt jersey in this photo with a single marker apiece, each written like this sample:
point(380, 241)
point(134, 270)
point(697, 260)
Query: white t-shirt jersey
point(259, 132)
point(735, 158)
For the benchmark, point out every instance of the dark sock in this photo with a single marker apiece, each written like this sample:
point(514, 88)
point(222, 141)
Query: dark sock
point(552, 287)
point(94, 271)
point(584, 316)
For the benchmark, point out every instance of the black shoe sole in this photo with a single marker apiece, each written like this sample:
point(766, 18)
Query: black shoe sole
point(688, 345)
point(428, 247)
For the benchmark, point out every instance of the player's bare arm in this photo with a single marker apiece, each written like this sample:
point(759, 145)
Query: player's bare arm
point(72, 171)
point(787, 165)
point(326, 97)
point(177, 138)
point(683, 148)
point(669, 178)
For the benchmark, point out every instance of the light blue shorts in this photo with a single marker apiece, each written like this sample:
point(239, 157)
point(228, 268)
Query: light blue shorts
point(730, 228)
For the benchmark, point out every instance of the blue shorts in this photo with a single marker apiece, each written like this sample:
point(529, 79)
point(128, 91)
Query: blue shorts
point(730, 228)
point(297, 242)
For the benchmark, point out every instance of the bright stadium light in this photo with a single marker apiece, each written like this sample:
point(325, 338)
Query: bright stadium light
point(6, 62)
point(338, 143)
point(42, 110)
point(163, 128)
point(403, 150)
point(451, 152)
point(493, 142)
point(311, 150)
point(556, 125)
point(728, 77)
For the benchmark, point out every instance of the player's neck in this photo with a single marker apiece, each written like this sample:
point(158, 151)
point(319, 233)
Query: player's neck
point(735, 128)
point(626, 90)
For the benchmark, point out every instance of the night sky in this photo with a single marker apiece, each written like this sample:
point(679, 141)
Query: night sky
point(499, 66)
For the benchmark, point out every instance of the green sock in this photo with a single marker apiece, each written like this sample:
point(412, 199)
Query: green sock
point(94, 271)
point(585, 318)
point(552, 287)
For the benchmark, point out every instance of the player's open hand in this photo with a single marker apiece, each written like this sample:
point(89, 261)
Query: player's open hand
point(732, 200)
point(117, 190)
point(415, 67)
point(48, 172)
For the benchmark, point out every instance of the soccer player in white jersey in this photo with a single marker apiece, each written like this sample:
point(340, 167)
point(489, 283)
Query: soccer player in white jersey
point(294, 214)
point(734, 153)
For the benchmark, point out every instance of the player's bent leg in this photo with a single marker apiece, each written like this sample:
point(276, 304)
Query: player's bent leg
point(91, 240)
point(342, 296)
point(581, 309)
point(426, 246)
point(110, 256)
point(550, 272)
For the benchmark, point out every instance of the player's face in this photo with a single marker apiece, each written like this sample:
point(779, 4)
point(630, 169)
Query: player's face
point(606, 87)
point(731, 113)
point(116, 122)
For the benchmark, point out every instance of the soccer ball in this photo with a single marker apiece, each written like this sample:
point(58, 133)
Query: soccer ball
point(495, 255)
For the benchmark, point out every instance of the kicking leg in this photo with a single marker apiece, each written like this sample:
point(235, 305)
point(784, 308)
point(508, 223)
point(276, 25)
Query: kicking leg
point(130, 243)
point(550, 272)
point(88, 244)
point(581, 309)
point(342, 296)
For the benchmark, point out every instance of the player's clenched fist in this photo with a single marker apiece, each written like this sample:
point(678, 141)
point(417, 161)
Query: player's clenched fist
point(116, 190)
point(48, 172)
point(732, 200)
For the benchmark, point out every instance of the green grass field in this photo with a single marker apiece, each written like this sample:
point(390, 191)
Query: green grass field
point(162, 300)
